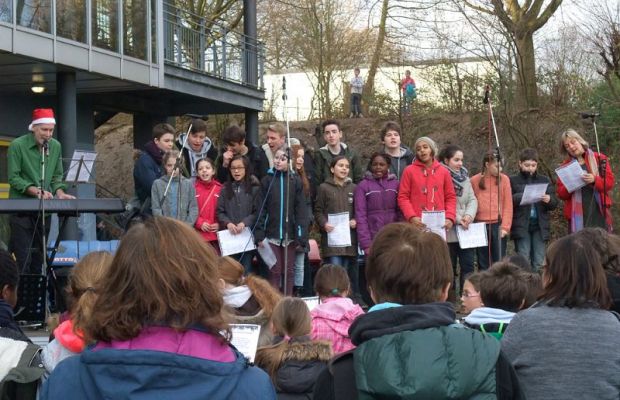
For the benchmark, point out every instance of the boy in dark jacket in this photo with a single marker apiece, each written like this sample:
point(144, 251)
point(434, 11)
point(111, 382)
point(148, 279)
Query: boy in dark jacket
point(234, 143)
point(530, 222)
point(408, 345)
point(147, 168)
point(197, 146)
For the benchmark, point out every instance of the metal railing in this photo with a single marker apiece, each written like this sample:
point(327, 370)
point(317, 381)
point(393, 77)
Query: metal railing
point(194, 43)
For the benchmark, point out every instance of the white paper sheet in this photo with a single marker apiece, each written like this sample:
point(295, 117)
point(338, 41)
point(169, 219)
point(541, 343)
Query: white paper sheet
point(435, 222)
point(85, 169)
point(570, 175)
point(266, 253)
point(245, 339)
point(233, 244)
point(474, 236)
point(533, 193)
point(311, 302)
point(341, 235)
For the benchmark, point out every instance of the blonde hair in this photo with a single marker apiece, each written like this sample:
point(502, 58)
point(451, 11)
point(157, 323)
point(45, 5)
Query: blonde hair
point(83, 285)
point(571, 134)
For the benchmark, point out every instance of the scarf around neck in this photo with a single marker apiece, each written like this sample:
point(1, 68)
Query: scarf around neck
point(458, 178)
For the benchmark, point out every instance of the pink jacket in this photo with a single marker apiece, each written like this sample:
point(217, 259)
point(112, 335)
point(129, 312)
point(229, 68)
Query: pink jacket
point(331, 321)
point(426, 189)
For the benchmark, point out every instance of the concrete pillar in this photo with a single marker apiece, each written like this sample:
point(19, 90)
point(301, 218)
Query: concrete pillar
point(66, 132)
point(143, 127)
point(251, 126)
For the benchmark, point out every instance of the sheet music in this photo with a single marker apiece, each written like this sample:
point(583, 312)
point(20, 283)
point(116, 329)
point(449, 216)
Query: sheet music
point(533, 193)
point(311, 302)
point(234, 244)
point(435, 222)
point(245, 339)
point(570, 175)
point(474, 236)
point(341, 235)
point(84, 170)
point(266, 253)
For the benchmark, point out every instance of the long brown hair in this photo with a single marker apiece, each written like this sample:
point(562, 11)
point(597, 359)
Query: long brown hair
point(231, 271)
point(574, 276)
point(84, 284)
point(296, 148)
point(157, 279)
point(291, 318)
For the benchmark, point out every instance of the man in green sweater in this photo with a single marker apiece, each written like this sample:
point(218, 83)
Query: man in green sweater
point(29, 155)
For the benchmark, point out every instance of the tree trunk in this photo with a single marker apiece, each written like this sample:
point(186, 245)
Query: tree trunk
point(527, 94)
point(369, 87)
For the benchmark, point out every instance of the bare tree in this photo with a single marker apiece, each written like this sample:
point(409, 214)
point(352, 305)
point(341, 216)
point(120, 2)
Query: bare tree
point(522, 21)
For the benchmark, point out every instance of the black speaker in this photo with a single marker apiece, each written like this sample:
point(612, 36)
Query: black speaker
point(31, 298)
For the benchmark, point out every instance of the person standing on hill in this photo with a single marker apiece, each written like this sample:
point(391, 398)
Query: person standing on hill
point(357, 87)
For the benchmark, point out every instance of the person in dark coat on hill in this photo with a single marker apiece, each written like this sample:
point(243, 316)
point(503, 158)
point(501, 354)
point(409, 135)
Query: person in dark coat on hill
point(408, 345)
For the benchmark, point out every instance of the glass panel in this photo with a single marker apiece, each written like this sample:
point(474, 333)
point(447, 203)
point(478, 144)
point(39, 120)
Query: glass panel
point(134, 21)
point(35, 14)
point(71, 19)
point(105, 24)
point(154, 31)
point(6, 14)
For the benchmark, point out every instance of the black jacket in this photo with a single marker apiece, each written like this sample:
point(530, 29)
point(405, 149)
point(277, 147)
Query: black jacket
point(521, 215)
point(339, 380)
point(272, 219)
point(242, 207)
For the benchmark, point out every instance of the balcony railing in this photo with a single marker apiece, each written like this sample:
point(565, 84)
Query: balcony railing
point(194, 43)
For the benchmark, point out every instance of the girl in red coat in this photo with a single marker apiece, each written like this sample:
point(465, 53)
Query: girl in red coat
point(426, 186)
point(590, 205)
point(207, 193)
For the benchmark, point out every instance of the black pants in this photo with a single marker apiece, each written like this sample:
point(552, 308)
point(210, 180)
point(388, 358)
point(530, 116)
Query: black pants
point(26, 241)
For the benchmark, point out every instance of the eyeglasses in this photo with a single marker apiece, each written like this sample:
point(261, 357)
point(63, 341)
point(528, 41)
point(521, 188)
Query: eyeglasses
point(281, 158)
point(237, 168)
point(468, 295)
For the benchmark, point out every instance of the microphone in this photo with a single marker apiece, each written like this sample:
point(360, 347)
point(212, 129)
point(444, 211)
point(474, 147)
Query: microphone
point(46, 148)
point(486, 94)
point(586, 115)
point(284, 88)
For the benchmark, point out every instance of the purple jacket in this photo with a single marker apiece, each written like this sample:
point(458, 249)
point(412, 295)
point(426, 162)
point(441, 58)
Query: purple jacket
point(376, 205)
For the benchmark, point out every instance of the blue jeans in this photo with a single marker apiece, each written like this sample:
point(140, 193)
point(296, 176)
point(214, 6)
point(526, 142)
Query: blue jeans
point(465, 259)
point(532, 247)
point(492, 247)
point(350, 265)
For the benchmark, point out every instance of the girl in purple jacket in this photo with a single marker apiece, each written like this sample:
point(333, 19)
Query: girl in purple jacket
point(376, 202)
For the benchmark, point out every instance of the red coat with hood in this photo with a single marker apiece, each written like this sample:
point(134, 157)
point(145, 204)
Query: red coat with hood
point(207, 194)
point(425, 188)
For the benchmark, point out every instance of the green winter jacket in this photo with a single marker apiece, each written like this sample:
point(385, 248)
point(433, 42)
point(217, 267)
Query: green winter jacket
point(323, 157)
point(439, 361)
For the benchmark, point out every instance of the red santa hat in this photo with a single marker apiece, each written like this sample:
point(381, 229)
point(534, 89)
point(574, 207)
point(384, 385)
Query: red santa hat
point(42, 116)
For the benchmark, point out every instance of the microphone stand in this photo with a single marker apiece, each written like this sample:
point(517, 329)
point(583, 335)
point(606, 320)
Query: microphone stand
point(498, 157)
point(287, 189)
point(44, 153)
point(602, 168)
point(177, 167)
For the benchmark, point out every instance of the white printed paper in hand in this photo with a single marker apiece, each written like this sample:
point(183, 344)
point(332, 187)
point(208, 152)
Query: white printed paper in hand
point(266, 253)
point(533, 193)
point(245, 339)
point(311, 302)
point(570, 175)
point(474, 236)
point(435, 222)
point(234, 244)
point(341, 235)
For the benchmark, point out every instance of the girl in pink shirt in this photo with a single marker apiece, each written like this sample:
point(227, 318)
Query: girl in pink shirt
point(336, 312)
